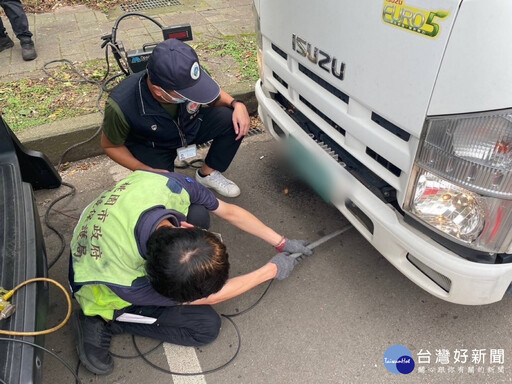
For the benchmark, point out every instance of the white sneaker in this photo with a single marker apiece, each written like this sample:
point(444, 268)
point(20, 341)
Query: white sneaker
point(219, 183)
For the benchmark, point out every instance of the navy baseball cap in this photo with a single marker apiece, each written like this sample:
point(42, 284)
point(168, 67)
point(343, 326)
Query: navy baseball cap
point(174, 66)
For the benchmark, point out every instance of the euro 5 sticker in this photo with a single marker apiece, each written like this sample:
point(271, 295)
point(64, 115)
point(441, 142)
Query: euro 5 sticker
point(423, 22)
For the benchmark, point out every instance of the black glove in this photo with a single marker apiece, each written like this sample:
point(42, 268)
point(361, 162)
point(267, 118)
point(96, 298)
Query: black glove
point(295, 246)
point(285, 265)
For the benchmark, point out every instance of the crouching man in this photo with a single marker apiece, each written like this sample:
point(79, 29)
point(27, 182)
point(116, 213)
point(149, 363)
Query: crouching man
point(141, 264)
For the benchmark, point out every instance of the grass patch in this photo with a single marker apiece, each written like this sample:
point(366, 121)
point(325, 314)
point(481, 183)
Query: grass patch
point(31, 102)
point(36, 101)
point(242, 48)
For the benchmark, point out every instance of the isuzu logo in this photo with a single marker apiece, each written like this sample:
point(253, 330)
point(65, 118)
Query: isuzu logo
point(314, 54)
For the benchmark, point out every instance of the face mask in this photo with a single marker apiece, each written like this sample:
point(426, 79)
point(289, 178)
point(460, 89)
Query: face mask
point(173, 99)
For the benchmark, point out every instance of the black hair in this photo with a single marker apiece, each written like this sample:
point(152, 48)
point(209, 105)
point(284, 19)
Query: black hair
point(186, 264)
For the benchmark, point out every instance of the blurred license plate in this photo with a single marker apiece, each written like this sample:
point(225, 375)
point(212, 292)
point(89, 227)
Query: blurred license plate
point(309, 167)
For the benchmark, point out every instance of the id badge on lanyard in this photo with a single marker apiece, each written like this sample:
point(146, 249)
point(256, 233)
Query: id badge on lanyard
point(186, 153)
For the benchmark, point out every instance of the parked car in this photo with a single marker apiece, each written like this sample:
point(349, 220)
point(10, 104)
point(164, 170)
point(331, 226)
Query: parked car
point(22, 254)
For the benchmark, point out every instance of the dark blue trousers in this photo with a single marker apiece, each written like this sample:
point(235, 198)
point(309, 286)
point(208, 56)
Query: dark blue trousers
point(189, 325)
point(216, 125)
point(17, 17)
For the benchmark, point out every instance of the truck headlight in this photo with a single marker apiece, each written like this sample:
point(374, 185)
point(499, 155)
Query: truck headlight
point(462, 179)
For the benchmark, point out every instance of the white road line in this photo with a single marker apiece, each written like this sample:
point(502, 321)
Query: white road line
point(183, 359)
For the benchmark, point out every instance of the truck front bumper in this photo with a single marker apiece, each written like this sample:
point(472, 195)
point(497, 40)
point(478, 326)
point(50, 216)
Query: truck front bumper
point(431, 266)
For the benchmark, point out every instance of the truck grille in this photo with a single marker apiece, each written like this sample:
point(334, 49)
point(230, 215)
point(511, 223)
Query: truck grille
point(369, 179)
point(323, 116)
point(280, 52)
point(376, 153)
point(281, 81)
point(382, 161)
point(389, 126)
point(324, 84)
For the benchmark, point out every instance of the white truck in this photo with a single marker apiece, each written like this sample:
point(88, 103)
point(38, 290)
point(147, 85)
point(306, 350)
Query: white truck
point(399, 113)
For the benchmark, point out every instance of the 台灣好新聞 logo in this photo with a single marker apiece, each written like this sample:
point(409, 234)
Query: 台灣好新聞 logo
point(398, 359)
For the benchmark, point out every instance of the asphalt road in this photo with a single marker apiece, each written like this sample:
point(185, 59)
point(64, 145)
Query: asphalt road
point(330, 322)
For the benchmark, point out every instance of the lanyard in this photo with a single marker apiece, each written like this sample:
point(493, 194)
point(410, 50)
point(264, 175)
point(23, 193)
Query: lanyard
point(180, 131)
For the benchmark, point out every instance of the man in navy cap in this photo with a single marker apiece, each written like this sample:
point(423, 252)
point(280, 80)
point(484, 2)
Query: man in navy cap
point(158, 114)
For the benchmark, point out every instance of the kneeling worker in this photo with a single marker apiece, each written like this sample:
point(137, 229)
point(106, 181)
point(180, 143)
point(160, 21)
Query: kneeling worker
point(165, 111)
point(139, 266)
